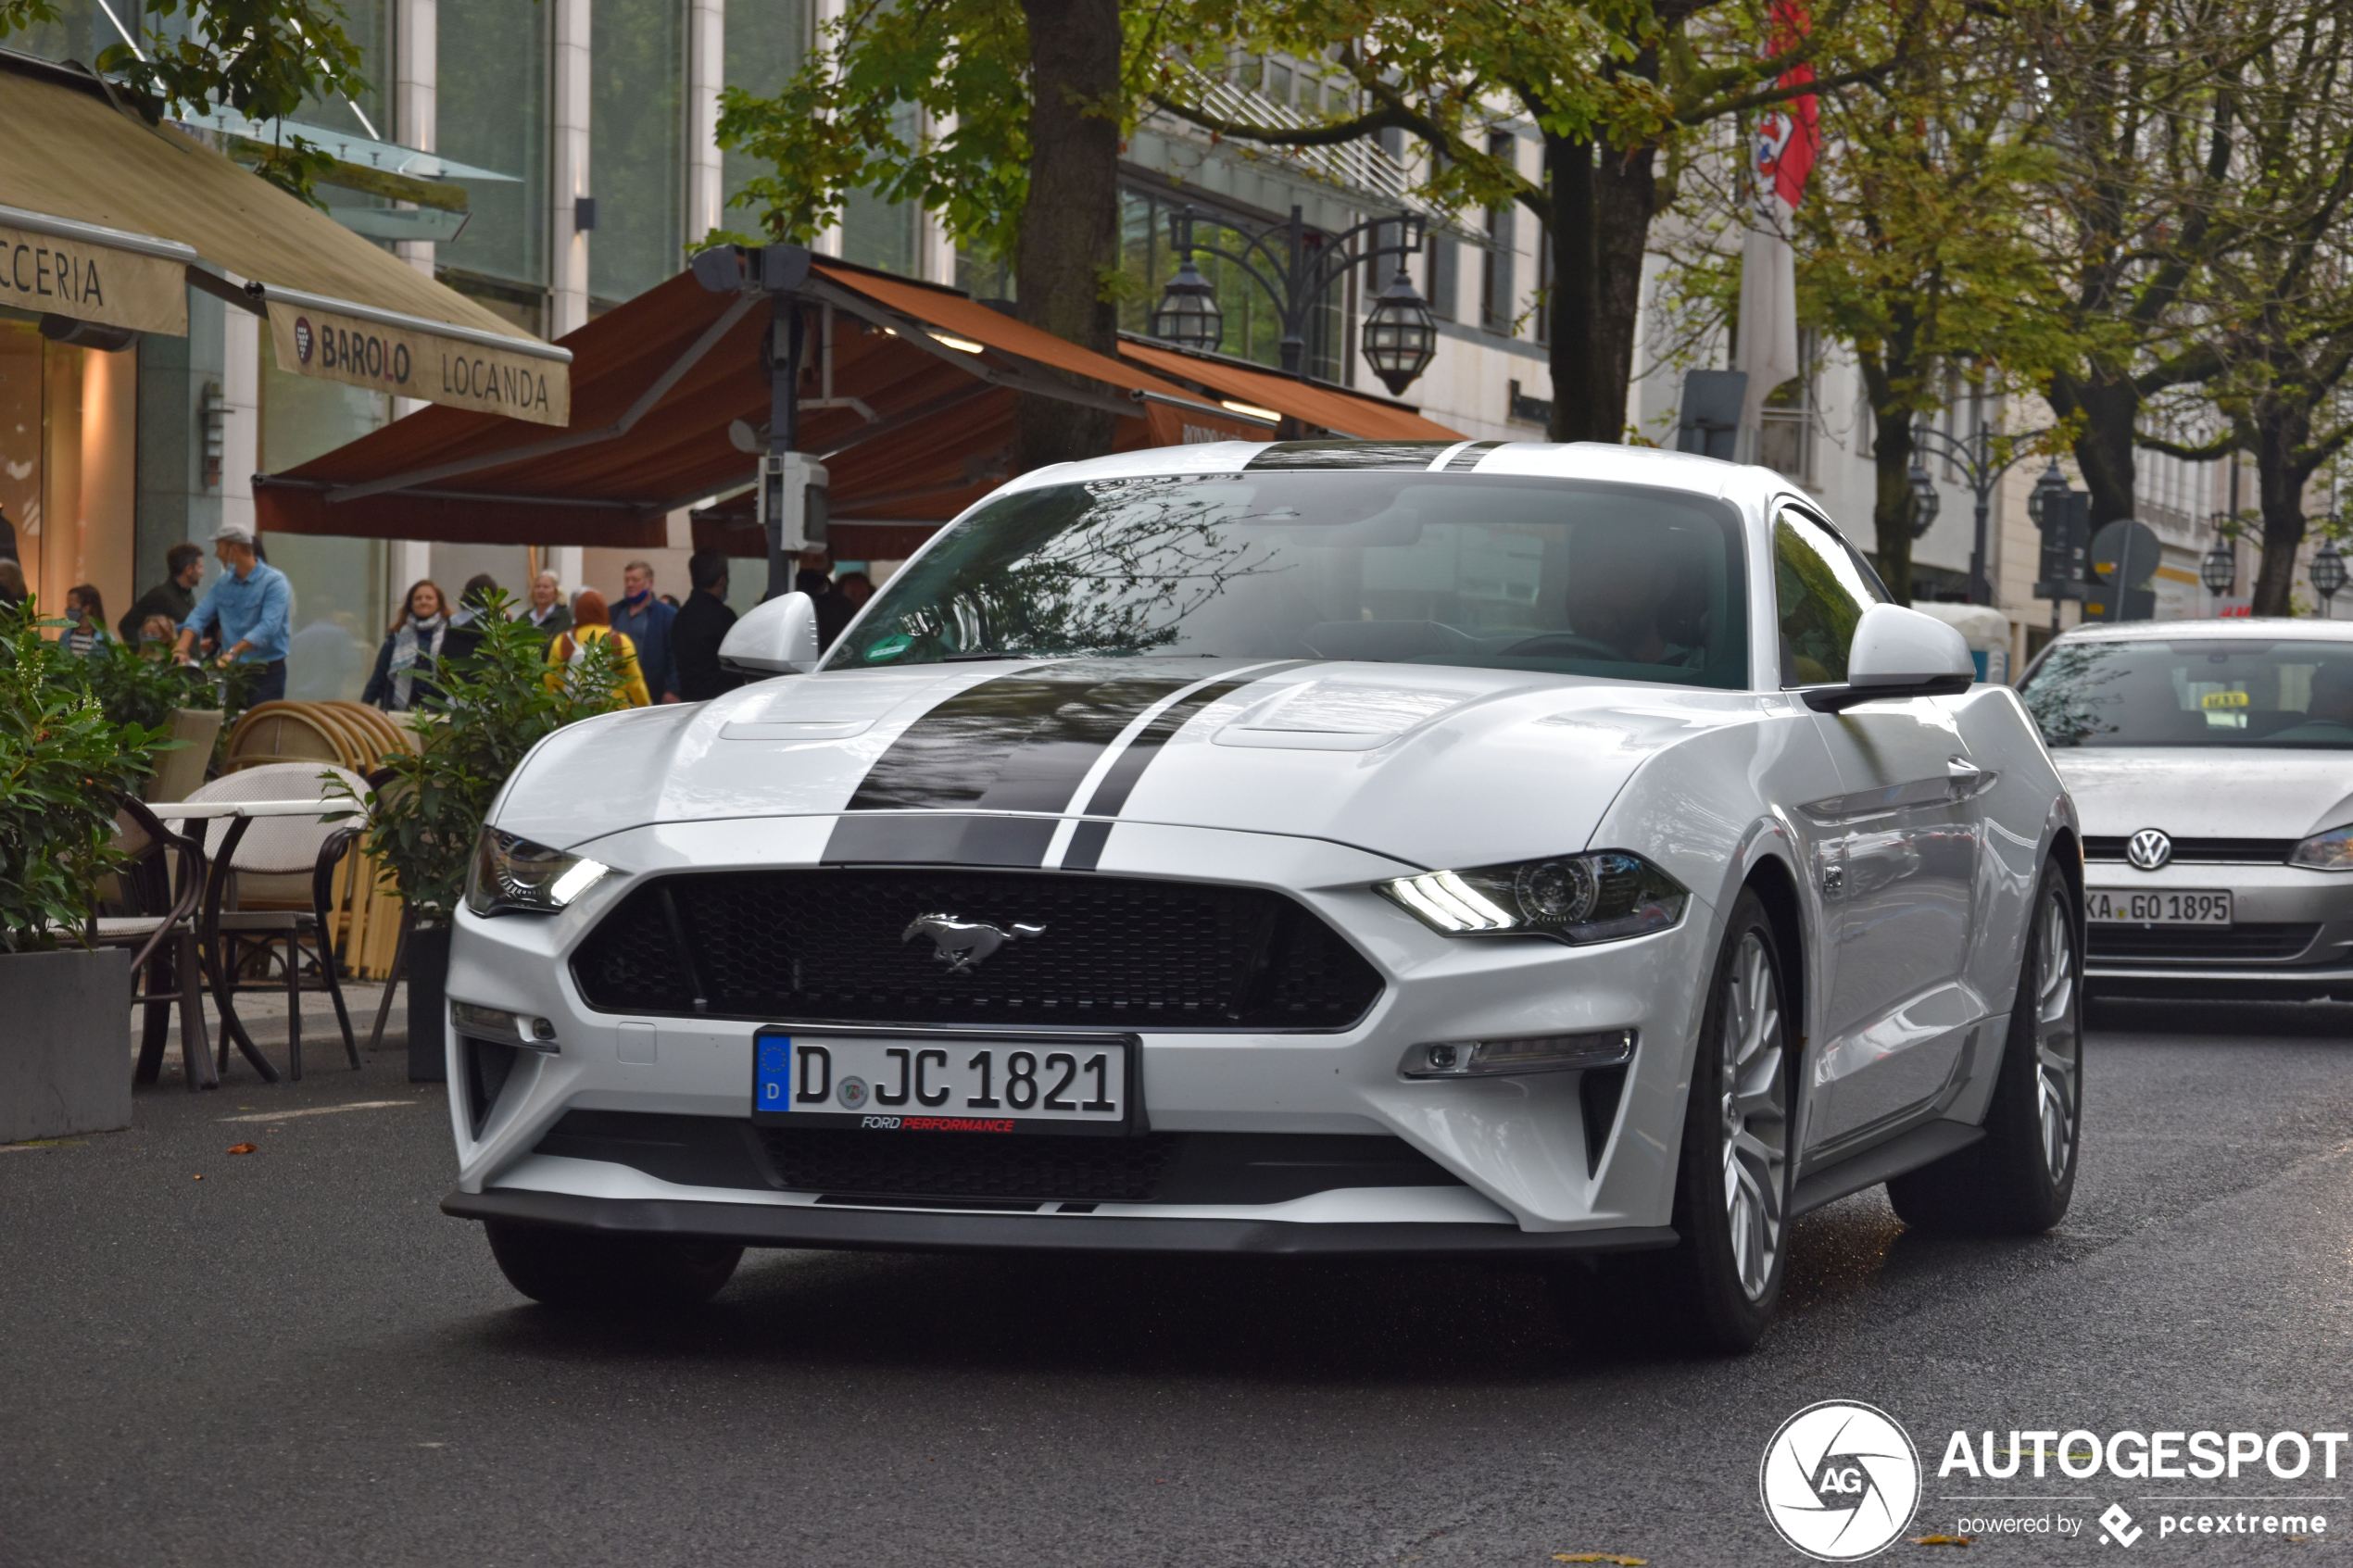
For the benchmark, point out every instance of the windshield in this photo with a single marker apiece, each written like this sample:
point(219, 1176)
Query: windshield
point(1503, 573)
point(2242, 692)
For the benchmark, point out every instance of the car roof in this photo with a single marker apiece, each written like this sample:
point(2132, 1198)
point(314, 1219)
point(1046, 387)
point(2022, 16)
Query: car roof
point(1576, 459)
point(2215, 628)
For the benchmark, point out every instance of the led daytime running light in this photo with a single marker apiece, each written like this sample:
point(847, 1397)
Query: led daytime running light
point(1602, 896)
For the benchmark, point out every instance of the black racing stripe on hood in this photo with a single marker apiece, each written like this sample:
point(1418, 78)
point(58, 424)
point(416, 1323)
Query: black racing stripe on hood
point(1086, 847)
point(1467, 458)
point(939, 839)
point(1022, 742)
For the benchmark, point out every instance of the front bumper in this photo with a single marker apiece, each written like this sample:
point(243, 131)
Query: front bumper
point(1516, 1147)
point(887, 1230)
point(2306, 917)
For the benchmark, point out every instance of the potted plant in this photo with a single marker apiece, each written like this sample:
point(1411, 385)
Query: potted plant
point(64, 1057)
point(428, 808)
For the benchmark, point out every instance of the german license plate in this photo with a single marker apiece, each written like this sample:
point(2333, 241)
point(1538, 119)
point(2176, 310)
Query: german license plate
point(944, 1083)
point(2118, 906)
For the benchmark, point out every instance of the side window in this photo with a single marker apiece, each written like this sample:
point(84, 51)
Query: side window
point(1820, 590)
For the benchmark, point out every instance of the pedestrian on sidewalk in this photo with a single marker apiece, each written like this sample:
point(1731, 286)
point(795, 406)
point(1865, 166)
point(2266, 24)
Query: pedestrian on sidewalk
point(547, 614)
point(592, 623)
point(702, 626)
point(87, 619)
point(410, 660)
point(645, 622)
point(248, 606)
point(174, 596)
point(465, 636)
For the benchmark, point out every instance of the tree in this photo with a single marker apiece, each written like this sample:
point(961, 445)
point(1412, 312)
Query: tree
point(260, 58)
point(1612, 87)
point(1913, 249)
point(1005, 119)
point(2276, 304)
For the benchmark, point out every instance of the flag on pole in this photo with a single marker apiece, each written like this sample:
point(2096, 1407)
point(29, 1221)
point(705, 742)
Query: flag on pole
point(1788, 138)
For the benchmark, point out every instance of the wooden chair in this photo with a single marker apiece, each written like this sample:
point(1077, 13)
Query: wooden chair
point(283, 731)
point(272, 883)
point(164, 887)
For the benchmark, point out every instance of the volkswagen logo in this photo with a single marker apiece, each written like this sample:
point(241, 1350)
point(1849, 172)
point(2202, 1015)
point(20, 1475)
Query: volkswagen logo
point(2148, 849)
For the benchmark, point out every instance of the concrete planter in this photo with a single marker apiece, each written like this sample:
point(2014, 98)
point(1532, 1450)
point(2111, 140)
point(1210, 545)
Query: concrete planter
point(64, 1049)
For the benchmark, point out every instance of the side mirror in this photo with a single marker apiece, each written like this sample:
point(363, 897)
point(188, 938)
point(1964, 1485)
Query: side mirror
point(1898, 653)
point(778, 637)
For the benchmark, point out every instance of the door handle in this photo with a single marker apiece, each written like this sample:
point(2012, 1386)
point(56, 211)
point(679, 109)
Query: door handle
point(1965, 780)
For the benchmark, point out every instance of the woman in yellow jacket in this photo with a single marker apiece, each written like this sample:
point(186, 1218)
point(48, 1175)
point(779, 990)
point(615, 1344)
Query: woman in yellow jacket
point(592, 623)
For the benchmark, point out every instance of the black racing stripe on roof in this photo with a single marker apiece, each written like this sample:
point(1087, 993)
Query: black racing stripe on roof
point(1412, 454)
point(1022, 742)
point(1467, 458)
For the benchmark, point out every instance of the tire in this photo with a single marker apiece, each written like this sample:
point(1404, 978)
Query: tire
point(1717, 1289)
point(2019, 1179)
point(589, 1272)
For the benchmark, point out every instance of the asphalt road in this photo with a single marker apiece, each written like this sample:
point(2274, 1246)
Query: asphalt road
point(299, 1359)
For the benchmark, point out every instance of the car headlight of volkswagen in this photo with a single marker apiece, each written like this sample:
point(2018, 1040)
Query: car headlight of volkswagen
point(515, 876)
point(1603, 896)
point(2329, 851)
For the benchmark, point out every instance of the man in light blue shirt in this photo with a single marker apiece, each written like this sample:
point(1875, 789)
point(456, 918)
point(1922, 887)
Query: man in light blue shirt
point(248, 608)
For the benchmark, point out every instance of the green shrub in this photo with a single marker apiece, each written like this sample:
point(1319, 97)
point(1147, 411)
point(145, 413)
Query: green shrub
point(62, 762)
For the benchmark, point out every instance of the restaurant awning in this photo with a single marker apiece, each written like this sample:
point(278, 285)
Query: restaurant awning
point(1330, 408)
point(108, 218)
point(907, 397)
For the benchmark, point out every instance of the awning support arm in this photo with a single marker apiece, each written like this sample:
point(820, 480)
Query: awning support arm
point(654, 392)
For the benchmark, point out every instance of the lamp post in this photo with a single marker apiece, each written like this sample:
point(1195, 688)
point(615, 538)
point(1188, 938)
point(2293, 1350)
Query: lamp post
point(1400, 336)
point(1974, 455)
point(2219, 568)
point(2328, 569)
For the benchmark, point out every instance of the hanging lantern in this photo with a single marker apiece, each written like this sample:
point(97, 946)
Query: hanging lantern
point(1188, 316)
point(1400, 337)
point(1926, 502)
point(2218, 569)
point(2038, 500)
point(2328, 570)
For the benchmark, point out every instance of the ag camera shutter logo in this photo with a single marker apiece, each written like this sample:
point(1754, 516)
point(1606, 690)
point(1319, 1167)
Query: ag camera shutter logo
point(1839, 1481)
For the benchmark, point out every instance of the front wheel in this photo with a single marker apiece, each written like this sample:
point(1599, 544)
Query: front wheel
point(588, 1270)
point(2019, 1179)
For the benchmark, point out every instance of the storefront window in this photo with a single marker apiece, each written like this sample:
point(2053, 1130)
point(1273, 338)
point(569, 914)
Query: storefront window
point(68, 464)
point(82, 31)
point(340, 595)
point(492, 112)
point(765, 45)
point(637, 144)
point(1254, 329)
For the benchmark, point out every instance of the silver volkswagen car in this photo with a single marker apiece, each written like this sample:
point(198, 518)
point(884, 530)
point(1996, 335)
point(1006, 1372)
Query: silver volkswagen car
point(2212, 763)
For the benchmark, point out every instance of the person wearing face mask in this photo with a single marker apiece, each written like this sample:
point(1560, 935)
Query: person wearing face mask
point(647, 621)
point(88, 618)
point(411, 653)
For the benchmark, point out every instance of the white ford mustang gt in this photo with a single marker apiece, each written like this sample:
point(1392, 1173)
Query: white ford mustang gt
point(1316, 847)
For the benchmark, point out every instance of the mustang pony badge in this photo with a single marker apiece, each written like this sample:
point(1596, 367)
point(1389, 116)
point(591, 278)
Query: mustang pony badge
point(960, 943)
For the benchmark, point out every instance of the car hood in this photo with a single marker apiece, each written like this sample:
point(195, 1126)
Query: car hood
point(2198, 792)
point(1428, 764)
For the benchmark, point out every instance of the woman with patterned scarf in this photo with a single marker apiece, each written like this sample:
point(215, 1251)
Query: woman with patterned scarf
point(411, 655)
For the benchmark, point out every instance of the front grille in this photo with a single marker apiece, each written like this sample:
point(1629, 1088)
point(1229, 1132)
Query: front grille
point(2201, 851)
point(1003, 1165)
point(832, 945)
point(2198, 944)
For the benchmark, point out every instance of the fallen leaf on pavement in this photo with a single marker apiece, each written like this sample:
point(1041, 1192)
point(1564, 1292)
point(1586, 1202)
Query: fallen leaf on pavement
point(1600, 1557)
point(200, 1178)
point(1943, 1540)
point(242, 1148)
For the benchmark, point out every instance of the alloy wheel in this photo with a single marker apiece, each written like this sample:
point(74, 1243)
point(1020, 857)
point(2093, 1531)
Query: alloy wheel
point(1755, 1114)
point(2058, 1036)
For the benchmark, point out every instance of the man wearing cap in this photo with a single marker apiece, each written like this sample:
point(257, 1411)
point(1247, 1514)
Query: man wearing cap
point(248, 609)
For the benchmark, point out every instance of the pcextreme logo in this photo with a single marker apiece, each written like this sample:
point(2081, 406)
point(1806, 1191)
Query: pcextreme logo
point(1839, 1481)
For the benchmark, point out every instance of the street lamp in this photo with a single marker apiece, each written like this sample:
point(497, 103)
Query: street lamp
point(1188, 316)
point(2218, 569)
point(1926, 502)
point(1400, 337)
point(2328, 572)
point(1974, 457)
point(1296, 271)
point(2053, 482)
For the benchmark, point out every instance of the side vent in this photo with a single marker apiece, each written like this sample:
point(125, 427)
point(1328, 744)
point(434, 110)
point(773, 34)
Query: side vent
point(1598, 1092)
point(488, 1065)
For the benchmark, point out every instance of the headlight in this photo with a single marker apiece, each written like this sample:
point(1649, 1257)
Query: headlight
point(2330, 851)
point(515, 876)
point(1598, 898)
